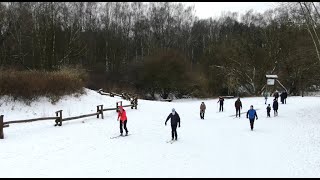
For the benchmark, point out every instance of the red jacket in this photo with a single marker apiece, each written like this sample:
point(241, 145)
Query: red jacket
point(122, 114)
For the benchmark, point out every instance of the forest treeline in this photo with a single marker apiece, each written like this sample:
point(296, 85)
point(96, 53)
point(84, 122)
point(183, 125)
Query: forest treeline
point(163, 47)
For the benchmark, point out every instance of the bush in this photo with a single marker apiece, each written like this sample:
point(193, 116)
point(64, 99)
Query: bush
point(30, 85)
point(167, 72)
point(198, 85)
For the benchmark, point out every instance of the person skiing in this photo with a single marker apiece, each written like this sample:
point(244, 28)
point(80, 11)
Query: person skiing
point(123, 120)
point(275, 107)
point(221, 103)
point(268, 110)
point(238, 106)
point(282, 97)
point(251, 114)
point(175, 121)
point(285, 97)
point(265, 94)
point(202, 110)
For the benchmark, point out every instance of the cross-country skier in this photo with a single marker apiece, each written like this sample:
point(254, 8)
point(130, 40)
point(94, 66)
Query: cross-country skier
point(123, 120)
point(221, 103)
point(268, 110)
point(282, 97)
point(238, 106)
point(202, 110)
point(265, 94)
point(275, 107)
point(175, 121)
point(285, 97)
point(251, 114)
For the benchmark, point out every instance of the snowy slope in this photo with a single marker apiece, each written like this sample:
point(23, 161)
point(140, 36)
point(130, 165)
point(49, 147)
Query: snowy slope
point(218, 146)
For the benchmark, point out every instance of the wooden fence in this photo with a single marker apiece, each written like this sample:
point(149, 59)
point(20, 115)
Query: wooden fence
point(125, 96)
point(167, 100)
point(59, 119)
point(133, 99)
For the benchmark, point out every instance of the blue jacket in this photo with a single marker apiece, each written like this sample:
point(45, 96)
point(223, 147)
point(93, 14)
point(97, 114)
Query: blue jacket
point(252, 114)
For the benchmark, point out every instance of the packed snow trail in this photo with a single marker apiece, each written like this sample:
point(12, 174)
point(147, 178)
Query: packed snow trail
point(218, 146)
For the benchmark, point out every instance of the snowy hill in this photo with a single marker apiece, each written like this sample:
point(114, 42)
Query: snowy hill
point(218, 146)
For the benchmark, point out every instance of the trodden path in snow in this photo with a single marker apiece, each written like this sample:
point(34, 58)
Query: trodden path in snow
point(218, 146)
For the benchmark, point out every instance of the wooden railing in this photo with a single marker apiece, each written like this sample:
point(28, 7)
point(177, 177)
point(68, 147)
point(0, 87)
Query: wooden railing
point(59, 119)
point(133, 99)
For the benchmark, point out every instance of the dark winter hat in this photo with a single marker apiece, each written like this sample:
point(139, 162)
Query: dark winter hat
point(173, 110)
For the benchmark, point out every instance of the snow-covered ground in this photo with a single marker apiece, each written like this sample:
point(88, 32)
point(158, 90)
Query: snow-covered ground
point(218, 146)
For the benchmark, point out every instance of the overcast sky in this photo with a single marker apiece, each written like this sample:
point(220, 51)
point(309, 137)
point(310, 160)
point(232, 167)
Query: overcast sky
point(214, 9)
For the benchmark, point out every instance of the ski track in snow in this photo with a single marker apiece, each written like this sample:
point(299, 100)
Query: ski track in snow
point(218, 146)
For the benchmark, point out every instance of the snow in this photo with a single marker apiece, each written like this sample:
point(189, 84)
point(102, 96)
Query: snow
point(218, 146)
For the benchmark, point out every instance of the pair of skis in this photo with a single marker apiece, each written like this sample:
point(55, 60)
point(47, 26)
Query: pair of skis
point(171, 141)
point(115, 137)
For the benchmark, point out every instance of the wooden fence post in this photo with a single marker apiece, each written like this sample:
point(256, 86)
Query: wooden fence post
point(59, 118)
point(1, 127)
point(98, 111)
point(136, 102)
point(101, 111)
point(116, 106)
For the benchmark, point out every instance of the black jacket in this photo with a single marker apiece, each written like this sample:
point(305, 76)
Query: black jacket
point(285, 95)
point(221, 100)
point(238, 104)
point(268, 109)
point(275, 105)
point(175, 119)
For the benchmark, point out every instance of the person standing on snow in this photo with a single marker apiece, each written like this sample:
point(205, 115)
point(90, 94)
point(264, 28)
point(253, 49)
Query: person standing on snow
point(285, 97)
point(265, 94)
point(202, 110)
point(175, 121)
point(238, 106)
point(123, 120)
point(275, 107)
point(282, 97)
point(221, 103)
point(268, 110)
point(251, 114)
